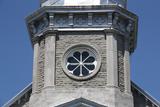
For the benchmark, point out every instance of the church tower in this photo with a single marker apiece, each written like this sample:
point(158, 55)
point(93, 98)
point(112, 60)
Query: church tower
point(82, 53)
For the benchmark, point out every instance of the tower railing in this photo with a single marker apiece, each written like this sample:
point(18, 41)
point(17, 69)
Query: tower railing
point(121, 3)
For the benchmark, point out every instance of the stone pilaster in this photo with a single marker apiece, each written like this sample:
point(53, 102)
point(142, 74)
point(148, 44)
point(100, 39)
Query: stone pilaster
point(50, 54)
point(127, 67)
point(35, 68)
point(112, 73)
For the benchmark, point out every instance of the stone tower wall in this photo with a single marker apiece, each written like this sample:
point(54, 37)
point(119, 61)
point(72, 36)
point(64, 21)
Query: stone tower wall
point(68, 39)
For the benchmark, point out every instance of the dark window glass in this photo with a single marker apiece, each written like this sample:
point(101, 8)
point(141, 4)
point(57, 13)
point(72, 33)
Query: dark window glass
point(71, 67)
point(89, 60)
point(84, 55)
point(90, 67)
point(77, 55)
point(72, 60)
point(77, 71)
point(85, 72)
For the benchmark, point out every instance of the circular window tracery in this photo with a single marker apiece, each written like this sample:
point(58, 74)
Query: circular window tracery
point(81, 62)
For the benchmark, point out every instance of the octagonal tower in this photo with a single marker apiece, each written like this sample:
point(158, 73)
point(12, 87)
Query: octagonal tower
point(82, 53)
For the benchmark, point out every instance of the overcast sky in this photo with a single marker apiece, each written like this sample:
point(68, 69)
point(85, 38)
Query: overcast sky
point(16, 51)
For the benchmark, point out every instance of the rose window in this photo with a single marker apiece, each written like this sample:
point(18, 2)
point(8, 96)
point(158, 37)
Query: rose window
point(81, 62)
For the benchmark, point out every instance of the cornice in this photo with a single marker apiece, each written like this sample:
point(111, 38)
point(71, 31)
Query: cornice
point(114, 17)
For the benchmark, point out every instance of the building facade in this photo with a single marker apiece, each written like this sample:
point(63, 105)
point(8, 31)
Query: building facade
point(82, 56)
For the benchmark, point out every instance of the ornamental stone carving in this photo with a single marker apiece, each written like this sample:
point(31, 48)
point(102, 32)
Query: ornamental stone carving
point(39, 25)
point(80, 20)
point(120, 54)
point(99, 19)
point(130, 26)
point(61, 20)
point(116, 20)
point(40, 71)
